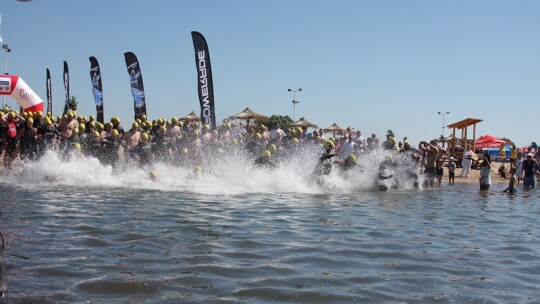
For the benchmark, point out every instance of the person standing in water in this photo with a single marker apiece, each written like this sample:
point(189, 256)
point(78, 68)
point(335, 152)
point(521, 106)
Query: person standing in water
point(485, 173)
point(511, 189)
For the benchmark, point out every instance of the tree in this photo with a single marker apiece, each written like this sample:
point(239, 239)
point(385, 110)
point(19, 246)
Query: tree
point(72, 103)
point(509, 140)
point(284, 121)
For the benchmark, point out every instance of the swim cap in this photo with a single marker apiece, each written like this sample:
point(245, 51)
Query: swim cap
point(174, 120)
point(81, 127)
point(258, 135)
point(184, 151)
point(135, 125)
point(143, 117)
point(115, 132)
point(329, 144)
point(163, 129)
point(39, 113)
point(30, 120)
point(92, 125)
point(75, 130)
point(77, 146)
point(91, 117)
point(352, 158)
point(206, 126)
point(267, 153)
point(295, 140)
point(153, 174)
point(138, 121)
point(273, 147)
point(215, 132)
point(144, 136)
point(96, 134)
point(12, 114)
point(197, 169)
point(234, 141)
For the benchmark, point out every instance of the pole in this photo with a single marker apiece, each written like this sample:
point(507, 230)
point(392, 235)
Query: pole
point(294, 101)
point(442, 130)
point(6, 49)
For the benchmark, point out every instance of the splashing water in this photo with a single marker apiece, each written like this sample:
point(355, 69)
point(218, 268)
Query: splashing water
point(232, 175)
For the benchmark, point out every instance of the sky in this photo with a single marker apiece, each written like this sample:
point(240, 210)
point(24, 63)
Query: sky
point(371, 65)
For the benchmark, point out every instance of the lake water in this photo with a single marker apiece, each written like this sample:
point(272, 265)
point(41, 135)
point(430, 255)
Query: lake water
point(77, 232)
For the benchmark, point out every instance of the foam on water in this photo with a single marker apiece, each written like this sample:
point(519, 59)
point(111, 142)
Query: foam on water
point(233, 175)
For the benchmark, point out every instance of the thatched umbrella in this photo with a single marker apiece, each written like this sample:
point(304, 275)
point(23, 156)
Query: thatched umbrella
point(192, 117)
point(249, 114)
point(334, 128)
point(303, 123)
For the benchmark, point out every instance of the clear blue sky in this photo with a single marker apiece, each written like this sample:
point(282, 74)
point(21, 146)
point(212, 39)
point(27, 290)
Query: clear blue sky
point(372, 65)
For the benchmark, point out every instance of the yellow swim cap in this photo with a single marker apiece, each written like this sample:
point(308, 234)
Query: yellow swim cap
point(258, 135)
point(267, 153)
point(82, 127)
point(273, 147)
point(197, 169)
point(135, 125)
point(153, 174)
point(77, 146)
point(329, 144)
point(75, 130)
point(295, 140)
point(96, 134)
point(144, 136)
point(352, 158)
point(30, 120)
point(184, 151)
point(115, 132)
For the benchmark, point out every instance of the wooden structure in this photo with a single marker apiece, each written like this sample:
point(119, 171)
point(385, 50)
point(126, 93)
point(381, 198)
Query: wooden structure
point(463, 125)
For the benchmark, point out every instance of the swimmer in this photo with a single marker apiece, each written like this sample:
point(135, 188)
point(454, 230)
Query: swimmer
point(153, 176)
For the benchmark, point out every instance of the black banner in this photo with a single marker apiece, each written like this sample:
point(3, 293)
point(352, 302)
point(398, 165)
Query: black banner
point(204, 79)
point(136, 82)
point(49, 92)
point(97, 89)
point(66, 87)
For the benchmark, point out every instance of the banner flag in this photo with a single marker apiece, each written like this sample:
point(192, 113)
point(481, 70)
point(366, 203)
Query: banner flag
point(136, 82)
point(97, 89)
point(204, 79)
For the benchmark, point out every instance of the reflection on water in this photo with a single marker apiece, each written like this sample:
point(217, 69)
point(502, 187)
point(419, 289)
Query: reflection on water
point(92, 238)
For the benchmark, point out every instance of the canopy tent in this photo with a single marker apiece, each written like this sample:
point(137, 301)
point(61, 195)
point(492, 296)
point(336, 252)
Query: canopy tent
point(303, 123)
point(489, 141)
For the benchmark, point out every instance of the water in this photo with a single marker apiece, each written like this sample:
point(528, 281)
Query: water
point(77, 232)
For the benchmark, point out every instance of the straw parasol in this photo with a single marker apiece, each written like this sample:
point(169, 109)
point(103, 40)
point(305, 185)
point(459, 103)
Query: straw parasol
point(303, 123)
point(192, 117)
point(248, 114)
point(333, 128)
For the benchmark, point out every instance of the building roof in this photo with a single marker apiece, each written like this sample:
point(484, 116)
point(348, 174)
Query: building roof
point(462, 124)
